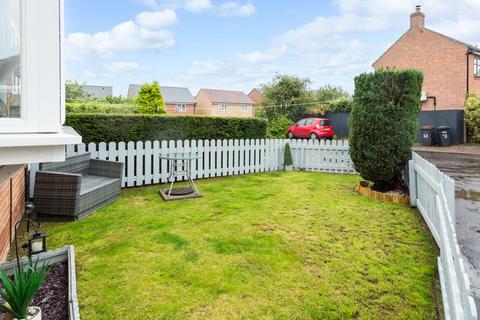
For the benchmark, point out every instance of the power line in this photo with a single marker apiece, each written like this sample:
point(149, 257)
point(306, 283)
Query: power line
point(292, 105)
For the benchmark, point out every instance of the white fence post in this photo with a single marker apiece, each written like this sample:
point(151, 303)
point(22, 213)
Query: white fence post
point(412, 179)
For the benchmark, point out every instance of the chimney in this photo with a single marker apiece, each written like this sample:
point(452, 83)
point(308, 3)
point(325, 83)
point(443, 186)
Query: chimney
point(417, 19)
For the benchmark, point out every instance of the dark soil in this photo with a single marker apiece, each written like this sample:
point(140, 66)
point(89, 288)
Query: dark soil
point(52, 297)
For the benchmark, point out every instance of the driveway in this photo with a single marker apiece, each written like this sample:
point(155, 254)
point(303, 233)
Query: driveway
point(465, 170)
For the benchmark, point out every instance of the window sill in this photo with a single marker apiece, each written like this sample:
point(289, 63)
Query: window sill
point(25, 148)
point(66, 136)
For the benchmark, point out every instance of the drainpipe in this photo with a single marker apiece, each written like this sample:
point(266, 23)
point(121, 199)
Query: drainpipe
point(469, 52)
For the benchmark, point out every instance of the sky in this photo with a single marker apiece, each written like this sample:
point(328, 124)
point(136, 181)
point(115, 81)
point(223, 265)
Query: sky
point(241, 44)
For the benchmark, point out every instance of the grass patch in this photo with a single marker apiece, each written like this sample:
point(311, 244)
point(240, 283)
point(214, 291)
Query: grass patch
point(266, 246)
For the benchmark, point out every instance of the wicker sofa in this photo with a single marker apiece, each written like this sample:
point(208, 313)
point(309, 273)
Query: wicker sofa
point(75, 188)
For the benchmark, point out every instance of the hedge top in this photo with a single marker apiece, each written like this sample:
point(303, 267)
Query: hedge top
point(140, 127)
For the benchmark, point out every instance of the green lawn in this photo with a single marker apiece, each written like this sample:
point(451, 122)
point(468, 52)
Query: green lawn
point(265, 246)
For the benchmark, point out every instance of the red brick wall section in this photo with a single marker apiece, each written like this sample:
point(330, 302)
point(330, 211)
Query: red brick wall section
point(18, 205)
point(172, 109)
point(443, 62)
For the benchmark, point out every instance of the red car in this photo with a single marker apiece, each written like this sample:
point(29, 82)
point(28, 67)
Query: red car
point(312, 128)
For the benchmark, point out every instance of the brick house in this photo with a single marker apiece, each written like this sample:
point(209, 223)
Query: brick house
point(178, 100)
point(451, 68)
point(256, 96)
point(224, 103)
point(32, 110)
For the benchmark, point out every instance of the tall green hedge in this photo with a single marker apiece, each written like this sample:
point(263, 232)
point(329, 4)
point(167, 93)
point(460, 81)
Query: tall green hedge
point(116, 128)
point(383, 124)
point(472, 118)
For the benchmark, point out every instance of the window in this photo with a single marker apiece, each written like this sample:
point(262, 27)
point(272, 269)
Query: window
point(244, 108)
point(31, 80)
point(301, 123)
point(10, 50)
point(325, 123)
point(222, 107)
point(476, 66)
point(309, 122)
point(181, 107)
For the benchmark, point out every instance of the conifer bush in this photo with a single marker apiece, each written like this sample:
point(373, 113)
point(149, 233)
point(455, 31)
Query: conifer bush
point(383, 124)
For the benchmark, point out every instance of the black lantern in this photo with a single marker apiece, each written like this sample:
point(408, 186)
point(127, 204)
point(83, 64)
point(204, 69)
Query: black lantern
point(37, 243)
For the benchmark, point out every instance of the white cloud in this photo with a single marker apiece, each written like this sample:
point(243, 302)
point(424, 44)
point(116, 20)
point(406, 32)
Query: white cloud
point(227, 8)
point(144, 33)
point(122, 68)
point(197, 5)
point(156, 19)
point(234, 8)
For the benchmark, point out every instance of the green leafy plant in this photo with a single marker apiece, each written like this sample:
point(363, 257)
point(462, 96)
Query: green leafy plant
point(329, 93)
point(289, 94)
point(17, 294)
point(150, 99)
point(143, 127)
point(472, 118)
point(287, 156)
point(277, 127)
point(75, 91)
point(383, 124)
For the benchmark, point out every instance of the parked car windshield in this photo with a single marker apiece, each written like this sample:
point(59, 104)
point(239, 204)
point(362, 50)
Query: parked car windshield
point(301, 123)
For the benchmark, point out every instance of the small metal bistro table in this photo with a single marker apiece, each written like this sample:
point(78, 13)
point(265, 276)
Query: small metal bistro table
point(179, 165)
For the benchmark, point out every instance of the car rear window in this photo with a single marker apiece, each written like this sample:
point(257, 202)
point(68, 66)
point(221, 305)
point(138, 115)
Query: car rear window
point(325, 123)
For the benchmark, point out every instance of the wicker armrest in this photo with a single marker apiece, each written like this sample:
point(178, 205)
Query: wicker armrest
point(104, 168)
point(63, 185)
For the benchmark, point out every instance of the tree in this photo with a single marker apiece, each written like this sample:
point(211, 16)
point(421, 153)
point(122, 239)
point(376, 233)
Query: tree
point(329, 93)
point(383, 124)
point(289, 94)
point(472, 118)
point(150, 99)
point(75, 91)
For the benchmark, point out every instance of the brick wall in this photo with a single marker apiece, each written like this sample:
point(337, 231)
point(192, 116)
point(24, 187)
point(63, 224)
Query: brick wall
point(172, 109)
point(442, 60)
point(18, 205)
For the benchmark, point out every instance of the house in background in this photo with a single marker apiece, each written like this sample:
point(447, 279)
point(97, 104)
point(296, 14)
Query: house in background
point(178, 100)
point(224, 103)
point(99, 92)
point(33, 107)
point(256, 95)
point(451, 70)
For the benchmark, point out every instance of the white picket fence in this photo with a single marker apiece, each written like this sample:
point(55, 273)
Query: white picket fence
point(217, 157)
point(434, 194)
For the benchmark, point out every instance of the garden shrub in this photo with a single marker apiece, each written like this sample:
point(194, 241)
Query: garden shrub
point(150, 99)
point(115, 128)
point(277, 127)
point(287, 156)
point(472, 118)
point(383, 124)
point(93, 106)
point(340, 105)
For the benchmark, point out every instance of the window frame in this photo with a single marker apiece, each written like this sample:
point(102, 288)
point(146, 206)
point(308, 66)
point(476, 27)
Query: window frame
point(476, 66)
point(181, 107)
point(222, 107)
point(244, 108)
point(42, 102)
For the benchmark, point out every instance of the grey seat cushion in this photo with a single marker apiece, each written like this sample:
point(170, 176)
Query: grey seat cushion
point(92, 183)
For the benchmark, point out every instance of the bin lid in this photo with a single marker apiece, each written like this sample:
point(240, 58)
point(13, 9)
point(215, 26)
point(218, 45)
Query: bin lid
point(427, 128)
point(443, 128)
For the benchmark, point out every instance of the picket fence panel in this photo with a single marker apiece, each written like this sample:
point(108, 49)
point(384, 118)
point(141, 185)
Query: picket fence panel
point(434, 194)
point(218, 158)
